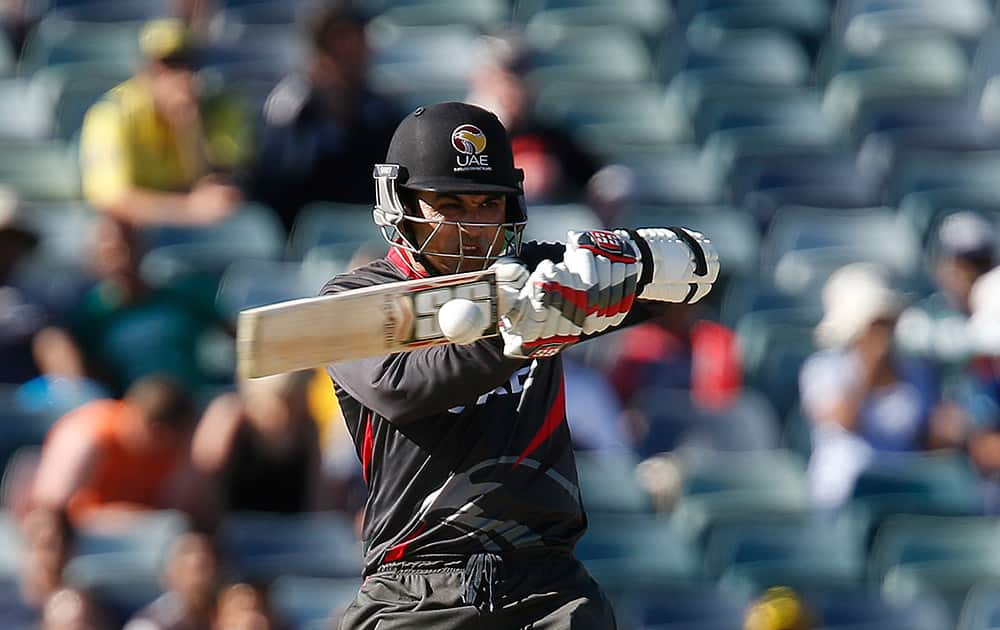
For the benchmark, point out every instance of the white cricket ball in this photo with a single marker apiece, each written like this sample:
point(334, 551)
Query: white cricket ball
point(461, 321)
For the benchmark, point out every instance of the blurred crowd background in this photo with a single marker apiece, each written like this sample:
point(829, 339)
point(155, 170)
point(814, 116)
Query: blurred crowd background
point(817, 445)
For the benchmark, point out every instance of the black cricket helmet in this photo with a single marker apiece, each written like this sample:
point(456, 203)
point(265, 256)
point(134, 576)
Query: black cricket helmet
point(454, 148)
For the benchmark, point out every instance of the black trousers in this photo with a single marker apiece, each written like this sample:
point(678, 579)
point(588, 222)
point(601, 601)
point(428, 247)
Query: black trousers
point(537, 591)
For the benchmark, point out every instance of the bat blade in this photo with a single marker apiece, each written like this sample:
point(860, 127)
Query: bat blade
point(371, 321)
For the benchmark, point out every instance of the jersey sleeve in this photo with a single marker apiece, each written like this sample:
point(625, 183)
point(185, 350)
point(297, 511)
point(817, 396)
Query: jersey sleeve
point(104, 161)
point(405, 387)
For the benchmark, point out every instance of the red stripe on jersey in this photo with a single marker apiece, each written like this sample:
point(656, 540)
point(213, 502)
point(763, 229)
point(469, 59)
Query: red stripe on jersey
point(403, 261)
point(366, 450)
point(396, 551)
point(555, 417)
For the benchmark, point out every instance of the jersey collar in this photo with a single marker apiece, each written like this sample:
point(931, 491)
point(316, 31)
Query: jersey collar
point(403, 260)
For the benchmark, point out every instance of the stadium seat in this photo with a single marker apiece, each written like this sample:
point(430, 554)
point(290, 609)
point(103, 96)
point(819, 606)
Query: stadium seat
point(685, 607)
point(935, 484)
point(865, 608)
point(56, 41)
point(600, 116)
point(730, 486)
point(608, 482)
point(651, 554)
point(250, 283)
point(747, 423)
point(807, 20)
point(925, 211)
point(914, 67)
point(804, 245)
point(942, 557)
point(252, 231)
point(811, 549)
point(485, 15)
point(264, 546)
point(928, 170)
point(674, 175)
point(325, 223)
point(863, 24)
point(40, 171)
point(763, 58)
point(649, 18)
point(307, 600)
point(72, 88)
point(981, 609)
point(21, 427)
point(587, 53)
point(435, 57)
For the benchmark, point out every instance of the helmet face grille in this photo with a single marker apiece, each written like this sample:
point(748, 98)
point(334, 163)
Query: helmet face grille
point(394, 220)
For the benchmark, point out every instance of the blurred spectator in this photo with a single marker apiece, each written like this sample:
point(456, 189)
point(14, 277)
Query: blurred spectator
point(244, 607)
point(860, 397)
point(72, 609)
point(778, 609)
point(262, 446)
point(112, 457)
point(20, 316)
point(63, 384)
point(191, 577)
point(48, 545)
point(157, 149)
point(202, 17)
point(679, 350)
point(17, 20)
point(324, 129)
point(976, 405)
point(935, 327)
point(126, 329)
point(555, 167)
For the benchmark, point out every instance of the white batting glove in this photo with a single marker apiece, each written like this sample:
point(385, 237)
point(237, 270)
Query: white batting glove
point(546, 314)
point(608, 266)
point(678, 264)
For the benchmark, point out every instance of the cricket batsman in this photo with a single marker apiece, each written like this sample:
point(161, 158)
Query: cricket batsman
point(474, 507)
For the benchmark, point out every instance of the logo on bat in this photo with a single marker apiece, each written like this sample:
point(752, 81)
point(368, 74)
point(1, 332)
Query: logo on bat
point(468, 140)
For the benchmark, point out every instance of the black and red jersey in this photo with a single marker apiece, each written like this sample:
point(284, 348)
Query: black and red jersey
point(464, 450)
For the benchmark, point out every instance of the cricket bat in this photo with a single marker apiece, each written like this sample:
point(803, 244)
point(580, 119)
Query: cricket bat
point(371, 321)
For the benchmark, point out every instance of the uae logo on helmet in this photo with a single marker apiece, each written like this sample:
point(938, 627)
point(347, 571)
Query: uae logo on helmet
point(468, 139)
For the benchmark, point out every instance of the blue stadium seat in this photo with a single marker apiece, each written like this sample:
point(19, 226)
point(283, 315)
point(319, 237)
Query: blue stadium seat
point(486, 15)
point(981, 609)
point(307, 600)
point(863, 23)
point(433, 57)
point(587, 53)
point(264, 546)
point(809, 548)
point(57, 41)
point(326, 223)
point(674, 175)
point(940, 557)
point(747, 423)
point(602, 116)
point(724, 487)
point(40, 171)
point(252, 231)
point(687, 607)
point(251, 283)
point(925, 211)
point(861, 608)
point(650, 555)
point(608, 482)
point(804, 245)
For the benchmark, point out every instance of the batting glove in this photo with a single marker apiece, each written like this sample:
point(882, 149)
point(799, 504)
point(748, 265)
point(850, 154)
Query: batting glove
point(608, 266)
point(544, 315)
point(678, 265)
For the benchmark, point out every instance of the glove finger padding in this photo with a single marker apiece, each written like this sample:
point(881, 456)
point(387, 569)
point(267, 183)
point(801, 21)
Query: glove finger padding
point(609, 267)
point(542, 323)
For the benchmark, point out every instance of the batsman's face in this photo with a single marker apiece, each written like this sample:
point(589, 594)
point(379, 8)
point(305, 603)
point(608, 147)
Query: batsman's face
point(464, 228)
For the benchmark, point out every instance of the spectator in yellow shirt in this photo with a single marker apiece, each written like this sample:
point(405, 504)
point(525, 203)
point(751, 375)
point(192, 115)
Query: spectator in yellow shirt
point(157, 149)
